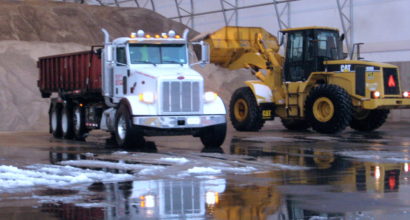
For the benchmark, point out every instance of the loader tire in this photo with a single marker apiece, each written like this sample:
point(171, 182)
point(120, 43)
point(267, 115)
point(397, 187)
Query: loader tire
point(55, 120)
point(213, 136)
point(78, 121)
point(244, 111)
point(328, 109)
point(369, 120)
point(295, 124)
point(67, 122)
point(126, 134)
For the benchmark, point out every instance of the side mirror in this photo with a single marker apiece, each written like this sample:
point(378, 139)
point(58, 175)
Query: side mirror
point(205, 52)
point(342, 37)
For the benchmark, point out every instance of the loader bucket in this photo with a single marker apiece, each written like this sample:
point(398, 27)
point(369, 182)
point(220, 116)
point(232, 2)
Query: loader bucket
point(231, 42)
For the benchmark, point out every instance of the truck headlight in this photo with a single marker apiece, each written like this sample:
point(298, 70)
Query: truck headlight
point(147, 97)
point(210, 96)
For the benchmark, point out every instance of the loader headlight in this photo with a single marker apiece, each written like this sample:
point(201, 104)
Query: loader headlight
point(406, 94)
point(210, 96)
point(147, 97)
point(375, 94)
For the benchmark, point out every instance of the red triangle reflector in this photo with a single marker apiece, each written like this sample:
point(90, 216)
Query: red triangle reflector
point(391, 82)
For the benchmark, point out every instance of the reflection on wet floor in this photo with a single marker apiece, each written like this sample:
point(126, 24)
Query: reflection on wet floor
point(293, 176)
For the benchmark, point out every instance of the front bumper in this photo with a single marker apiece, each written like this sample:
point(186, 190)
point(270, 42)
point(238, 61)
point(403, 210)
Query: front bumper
point(386, 103)
point(178, 122)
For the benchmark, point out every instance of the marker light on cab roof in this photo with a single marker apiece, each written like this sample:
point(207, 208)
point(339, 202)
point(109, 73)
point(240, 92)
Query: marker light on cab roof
point(140, 33)
point(171, 33)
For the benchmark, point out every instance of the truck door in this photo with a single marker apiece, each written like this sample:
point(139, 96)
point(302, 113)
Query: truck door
point(120, 72)
point(300, 55)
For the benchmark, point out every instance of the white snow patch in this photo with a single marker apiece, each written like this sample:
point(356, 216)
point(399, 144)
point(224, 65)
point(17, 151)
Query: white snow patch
point(120, 152)
point(89, 154)
point(150, 170)
point(53, 199)
point(91, 205)
point(289, 167)
point(52, 175)
point(204, 170)
point(106, 164)
point(178, 160)
point(238, 170)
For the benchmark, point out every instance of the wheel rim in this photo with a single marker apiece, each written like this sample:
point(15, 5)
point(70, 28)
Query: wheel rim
point(241, 110)
point(54, 120)
point(323, 109)
point(64, 122)
point(121, 128)
point(77, 119)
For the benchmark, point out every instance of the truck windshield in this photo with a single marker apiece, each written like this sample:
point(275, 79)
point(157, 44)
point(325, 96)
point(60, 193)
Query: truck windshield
point(158, 54)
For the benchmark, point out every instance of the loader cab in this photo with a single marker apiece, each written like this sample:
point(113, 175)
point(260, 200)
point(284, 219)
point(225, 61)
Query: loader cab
point(307, 49)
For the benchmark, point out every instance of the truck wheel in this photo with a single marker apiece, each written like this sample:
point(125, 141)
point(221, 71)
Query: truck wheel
point(66, 122)
point(328, 108)
point(369, 120)
point(78, 123)
point(55, 120)
point(244, 111)
point(295, 124)
point(213, 136)
point(126, 134)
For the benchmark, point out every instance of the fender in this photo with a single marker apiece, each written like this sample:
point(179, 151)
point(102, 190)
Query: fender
point(216, 107)
point(261, 91)
point(136, 107)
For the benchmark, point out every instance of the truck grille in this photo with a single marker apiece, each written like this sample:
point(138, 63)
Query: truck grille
point(391, 81)
point(180, 97)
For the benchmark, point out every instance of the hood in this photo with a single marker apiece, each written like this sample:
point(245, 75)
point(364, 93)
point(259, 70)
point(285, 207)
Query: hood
point(165, 71)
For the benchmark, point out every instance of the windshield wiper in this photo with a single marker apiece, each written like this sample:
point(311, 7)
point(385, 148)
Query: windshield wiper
point(172, 61)
point(145, 62)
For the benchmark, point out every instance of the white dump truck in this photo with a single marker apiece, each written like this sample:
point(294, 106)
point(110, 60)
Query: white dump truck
point(136, 86)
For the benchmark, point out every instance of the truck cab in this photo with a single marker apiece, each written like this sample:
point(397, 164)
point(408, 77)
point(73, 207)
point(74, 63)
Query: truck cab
point(151, 90)
point(308, 48)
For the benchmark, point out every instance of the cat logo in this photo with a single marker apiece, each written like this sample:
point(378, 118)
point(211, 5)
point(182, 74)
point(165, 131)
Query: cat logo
point(345, 68)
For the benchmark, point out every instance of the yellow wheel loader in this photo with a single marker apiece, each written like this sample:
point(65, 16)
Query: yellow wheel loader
point(312, 86)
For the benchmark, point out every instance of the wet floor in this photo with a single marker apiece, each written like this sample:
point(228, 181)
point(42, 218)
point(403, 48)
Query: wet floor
point(272, 174)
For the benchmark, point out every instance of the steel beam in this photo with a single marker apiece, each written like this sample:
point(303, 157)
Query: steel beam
point(282, 14)
point(345, 8)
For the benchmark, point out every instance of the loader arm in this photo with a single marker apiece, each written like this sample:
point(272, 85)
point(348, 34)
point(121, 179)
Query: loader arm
point(252, 48)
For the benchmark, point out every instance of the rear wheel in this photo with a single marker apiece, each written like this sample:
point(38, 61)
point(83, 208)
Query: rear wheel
point(126, 134)
point(328, 108)
point(55, 120)
point(369, 120)
point(66, 121)
point(244, 111)
point(213, 136)
point(295, 124)
point(78, 123)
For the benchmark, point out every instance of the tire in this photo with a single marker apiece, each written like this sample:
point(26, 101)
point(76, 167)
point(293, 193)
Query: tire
point(369, 120)
point(126, 134)
point(328, 109)
point(55, 120)
point(244, 111)
point(67, 122)
point(213, 136)
point(78, 123)
point(295, 124)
